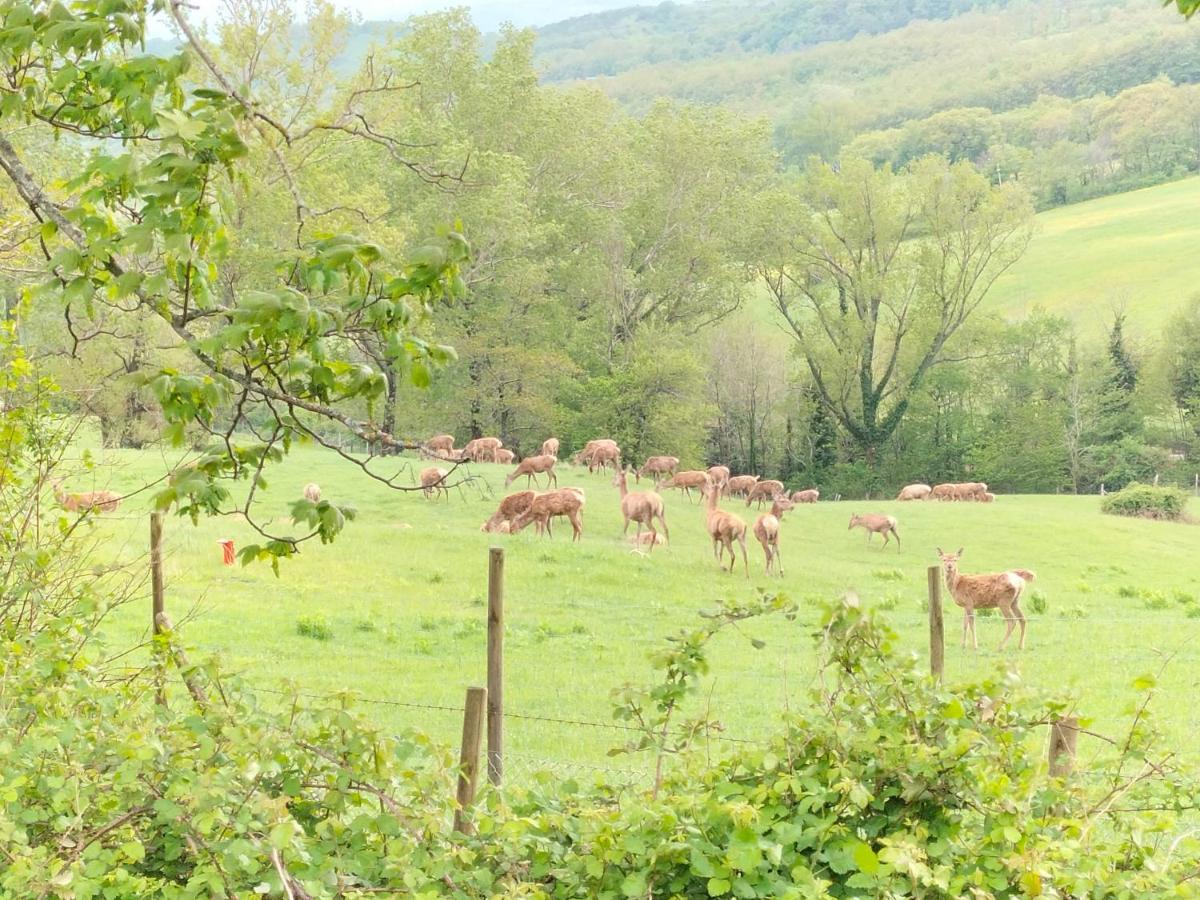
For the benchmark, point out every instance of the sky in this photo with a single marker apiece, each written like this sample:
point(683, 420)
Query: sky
point(488, 14)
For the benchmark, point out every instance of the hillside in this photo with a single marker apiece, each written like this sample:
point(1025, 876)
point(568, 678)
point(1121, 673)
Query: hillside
point(1135, 251)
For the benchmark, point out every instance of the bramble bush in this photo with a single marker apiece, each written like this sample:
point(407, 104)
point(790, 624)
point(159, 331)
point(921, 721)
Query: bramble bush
point(1147, 502)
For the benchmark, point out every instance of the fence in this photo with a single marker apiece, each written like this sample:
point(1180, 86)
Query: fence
point(484, 715)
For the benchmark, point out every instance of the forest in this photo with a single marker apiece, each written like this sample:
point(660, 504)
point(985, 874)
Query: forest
point(656, 276)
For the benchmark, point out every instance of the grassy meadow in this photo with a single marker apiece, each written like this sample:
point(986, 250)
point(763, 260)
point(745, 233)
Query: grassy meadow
point(1133, 251)
point(403, 593)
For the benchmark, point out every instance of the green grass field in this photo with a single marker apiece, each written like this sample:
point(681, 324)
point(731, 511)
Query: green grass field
point(1134, 251)
point(404, 588)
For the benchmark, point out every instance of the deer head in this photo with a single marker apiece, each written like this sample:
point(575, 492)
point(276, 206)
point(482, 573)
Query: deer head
point(950, 560)
point(854, 519)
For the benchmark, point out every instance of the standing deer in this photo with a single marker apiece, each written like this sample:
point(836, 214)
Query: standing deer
point(724, 528)
point(740, 485)
point(312, 492)
point(876, 524)
point(642, 507)
point(766, 529)
point(550, 447)
point(972, 592)
point(719, 475)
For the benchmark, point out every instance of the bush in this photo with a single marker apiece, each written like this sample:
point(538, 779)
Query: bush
point(1147, 502)
point(1038, 603)
point(314, 627)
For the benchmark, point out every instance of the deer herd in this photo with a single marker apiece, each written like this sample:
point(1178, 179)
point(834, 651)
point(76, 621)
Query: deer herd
point(646, 510)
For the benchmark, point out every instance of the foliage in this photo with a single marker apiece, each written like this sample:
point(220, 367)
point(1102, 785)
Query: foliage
point(316, 627)
point(1147, 502)
point(875, 272)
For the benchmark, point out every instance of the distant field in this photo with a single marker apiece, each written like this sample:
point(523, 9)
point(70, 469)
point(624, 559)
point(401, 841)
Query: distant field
point(403, 591)
point(1135, 251)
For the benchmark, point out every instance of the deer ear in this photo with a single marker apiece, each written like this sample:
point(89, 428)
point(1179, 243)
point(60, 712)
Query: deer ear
point(940, 553)
point(959, 553)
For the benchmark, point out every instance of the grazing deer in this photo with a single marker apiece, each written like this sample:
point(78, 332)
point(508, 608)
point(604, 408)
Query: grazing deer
point(510, 507)
point(656, 466)
point(533, 466)
point(740, 485)
point(764, 491)
point(724, 528)
point(876, 524)
point(685, 481)
point(598, 454)
point(505, 456)
point(766, 529)
point(433, 482)
point(812, 495)
point(566, 502)
point(89, 501)
point(942, 492)
point(482, 449)
point(642, 507)
point(972, 592)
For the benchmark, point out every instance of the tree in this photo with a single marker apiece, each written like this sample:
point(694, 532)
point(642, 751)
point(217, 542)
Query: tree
point(142, 226)
point(875, 271)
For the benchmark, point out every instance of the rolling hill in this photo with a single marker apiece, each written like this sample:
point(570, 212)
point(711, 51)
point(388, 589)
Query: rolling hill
point(1135, 251)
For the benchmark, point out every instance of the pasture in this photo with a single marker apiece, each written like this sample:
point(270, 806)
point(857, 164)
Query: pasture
point(403, 593)
point(1130, 252)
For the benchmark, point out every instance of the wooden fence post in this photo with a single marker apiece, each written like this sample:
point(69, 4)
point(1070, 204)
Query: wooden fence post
point(1063, 735)
point(495, 665)
point(472, 737)
point(937, 626)
point(183, 664)
point(157, 603)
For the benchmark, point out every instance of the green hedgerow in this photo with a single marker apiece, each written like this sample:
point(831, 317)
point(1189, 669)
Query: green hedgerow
point(1147, 502)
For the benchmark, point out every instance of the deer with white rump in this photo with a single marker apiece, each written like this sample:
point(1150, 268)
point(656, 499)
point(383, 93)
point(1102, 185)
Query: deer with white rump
point(1001, 591)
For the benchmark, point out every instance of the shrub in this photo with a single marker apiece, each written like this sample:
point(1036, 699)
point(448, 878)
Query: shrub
point(1154, 600)
point(1146, 502)
point(1038, 603)
point(315, 627)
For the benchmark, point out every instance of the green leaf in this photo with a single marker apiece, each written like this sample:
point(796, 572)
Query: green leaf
point(865, 858)
point(1144, 682)
point(717, 887)
point(634, 884)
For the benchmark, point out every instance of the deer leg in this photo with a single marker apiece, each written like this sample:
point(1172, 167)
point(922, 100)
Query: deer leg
point(778, 561)
point(653, 534)
point(896, 534)
point(966, 619)
point(1010, 624)
point(974, 636)
point(577, 526)
point(745, 559)
point(551, 477)
point(1021, 621)
point(662, 520)
point(885, 539)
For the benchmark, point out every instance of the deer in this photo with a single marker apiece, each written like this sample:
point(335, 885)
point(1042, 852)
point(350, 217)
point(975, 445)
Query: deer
point(763, 491)
point(970, 490)
point(812, 495)
point(505, 457)
point(500, 522)
point(740, 485)
point(440, 443)
point(914, 492)
point(724, 528)
point(1001, 591)
point(942, 492)
point(433, 482)
point(550, 447)
point(766, 529)
point(685, 481)
point(719, 476)
point(566, 502)
point(656, 466)
point(482, 449)
point(312, 492)
point(642, 507)
point(533, 466)
point(987, 497)
point(89, 501)
point(876, 524)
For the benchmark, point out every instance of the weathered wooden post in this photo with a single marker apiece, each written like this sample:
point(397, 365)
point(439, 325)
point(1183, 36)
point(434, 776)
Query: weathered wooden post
point(157, 607)
point(495, 665)
point(937, 626)
point(468, 773)
point(1063, 735)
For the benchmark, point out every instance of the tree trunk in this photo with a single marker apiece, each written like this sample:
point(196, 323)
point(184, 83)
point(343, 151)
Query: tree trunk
point(389, 410)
